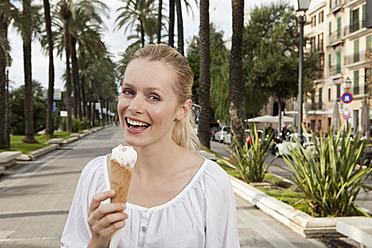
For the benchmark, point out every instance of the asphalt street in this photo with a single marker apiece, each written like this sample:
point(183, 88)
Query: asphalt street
point(35, 198)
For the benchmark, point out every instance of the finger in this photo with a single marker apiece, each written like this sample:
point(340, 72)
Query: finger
point(103, 211)
point(100, 197)
point(111, 219)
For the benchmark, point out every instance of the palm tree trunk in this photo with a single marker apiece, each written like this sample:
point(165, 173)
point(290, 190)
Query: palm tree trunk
point(29, 116)
point(179, 27)
point(83, 100)
point(171, 23)
point(236, 84)
point(75, 78)
point(142, 34)
point(159, 20)
point(48, 23)
point(3, 138)
point(66, 14)
point(205, 78)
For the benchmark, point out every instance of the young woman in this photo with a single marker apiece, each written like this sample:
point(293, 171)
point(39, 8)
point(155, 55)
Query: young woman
point(176, 198)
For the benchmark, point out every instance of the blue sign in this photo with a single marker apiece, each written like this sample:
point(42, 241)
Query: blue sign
point(347, 97)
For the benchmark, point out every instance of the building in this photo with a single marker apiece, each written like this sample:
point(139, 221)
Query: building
point(336, 31)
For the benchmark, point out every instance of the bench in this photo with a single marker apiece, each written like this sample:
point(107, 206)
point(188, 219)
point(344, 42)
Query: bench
point(9, 158)
point(356, 228)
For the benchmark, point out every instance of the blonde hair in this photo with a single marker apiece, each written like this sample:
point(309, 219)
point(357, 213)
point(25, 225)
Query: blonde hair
point(183, 132)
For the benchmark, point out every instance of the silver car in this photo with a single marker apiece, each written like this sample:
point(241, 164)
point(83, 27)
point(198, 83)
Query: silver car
point(222, 133)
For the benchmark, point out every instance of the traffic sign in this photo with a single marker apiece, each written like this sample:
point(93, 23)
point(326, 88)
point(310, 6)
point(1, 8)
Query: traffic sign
point(346, 114)
point(347, 97)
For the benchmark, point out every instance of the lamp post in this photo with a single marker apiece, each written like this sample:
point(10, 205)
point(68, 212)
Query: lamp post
point(301, 6)
point(7, 111)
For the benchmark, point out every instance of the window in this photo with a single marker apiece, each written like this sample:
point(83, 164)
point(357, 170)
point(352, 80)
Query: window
point(330, 28)
point(313, 21)
point(313, 45)
point(356, 82)
point(338, 65)
point(329, 94)
point(356, 51)
point(329, 60)
point(320, 105)
point(367, 78)
point(321, 16)
point(338, 92)
point(320, 42)
point(363, 16)
point(368, 41)
point(354, 20)
point(339, 27)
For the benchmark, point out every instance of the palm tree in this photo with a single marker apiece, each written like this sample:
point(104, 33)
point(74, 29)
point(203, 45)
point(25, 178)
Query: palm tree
point(204, 79)
point(27, 25)
point(171, 23)
point(65, 13)
point(135, 10)
point(236, 85)
point(7, 13)
point(179, 27)
point(159, 20)
point(48, 26)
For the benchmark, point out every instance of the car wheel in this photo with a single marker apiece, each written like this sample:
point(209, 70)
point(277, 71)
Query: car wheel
point(276, 151)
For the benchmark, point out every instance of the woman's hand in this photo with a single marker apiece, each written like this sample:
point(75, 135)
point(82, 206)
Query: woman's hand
point(105, 220)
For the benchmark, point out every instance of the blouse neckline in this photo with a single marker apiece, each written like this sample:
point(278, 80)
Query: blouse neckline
point(166, 204)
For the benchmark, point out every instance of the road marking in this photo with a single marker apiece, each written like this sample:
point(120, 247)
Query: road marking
point(6, 234)
point(4, 215)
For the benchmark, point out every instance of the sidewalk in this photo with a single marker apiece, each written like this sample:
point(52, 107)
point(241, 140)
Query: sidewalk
point(35, 197)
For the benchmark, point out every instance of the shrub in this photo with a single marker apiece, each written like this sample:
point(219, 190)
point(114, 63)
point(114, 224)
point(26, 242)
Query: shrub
point(251, 158)
point(330, 175)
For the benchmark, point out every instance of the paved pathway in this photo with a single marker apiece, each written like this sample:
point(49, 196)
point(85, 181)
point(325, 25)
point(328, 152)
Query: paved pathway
point(35, 197)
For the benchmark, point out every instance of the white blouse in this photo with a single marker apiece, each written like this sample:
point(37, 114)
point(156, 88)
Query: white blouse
point(203, 214)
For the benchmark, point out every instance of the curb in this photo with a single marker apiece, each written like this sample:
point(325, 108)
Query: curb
point(298, 221)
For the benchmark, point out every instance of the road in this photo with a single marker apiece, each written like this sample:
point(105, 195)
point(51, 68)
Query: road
point(35, 198)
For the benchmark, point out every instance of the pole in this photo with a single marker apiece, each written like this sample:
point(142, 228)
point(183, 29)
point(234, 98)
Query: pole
point(7, 110)
point(301, 79)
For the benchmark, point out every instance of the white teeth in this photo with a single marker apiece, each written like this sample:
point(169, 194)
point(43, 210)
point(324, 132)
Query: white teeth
point(136, 123)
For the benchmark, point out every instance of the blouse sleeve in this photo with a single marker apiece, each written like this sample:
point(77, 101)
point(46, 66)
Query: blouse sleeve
point(76, 233)
point(221, 220)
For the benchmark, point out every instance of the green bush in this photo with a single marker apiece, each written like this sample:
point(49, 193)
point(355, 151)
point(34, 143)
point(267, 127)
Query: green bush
point(330, 175)
point(251, 159)
point(63, 124)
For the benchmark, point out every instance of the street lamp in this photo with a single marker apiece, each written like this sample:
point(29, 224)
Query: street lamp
point(347, 84)
point(7, 111)
point(303, 6)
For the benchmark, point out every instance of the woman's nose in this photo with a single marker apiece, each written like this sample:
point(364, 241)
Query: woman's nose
point(136, 105)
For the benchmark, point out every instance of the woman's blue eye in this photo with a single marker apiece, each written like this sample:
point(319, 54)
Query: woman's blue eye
point(155, 98)
point(128, 92)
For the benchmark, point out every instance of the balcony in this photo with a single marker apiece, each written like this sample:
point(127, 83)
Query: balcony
point(337, 37)
point(318, 48)
point(355, 58)
point(334, 69)
point(355, 26)
point(319, 74)
point(336, 5)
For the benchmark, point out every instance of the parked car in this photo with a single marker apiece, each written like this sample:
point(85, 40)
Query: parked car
point(289, 143)
point(222, 133)
point(247, 134)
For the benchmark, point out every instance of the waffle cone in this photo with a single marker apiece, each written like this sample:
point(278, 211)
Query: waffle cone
point(120, 177)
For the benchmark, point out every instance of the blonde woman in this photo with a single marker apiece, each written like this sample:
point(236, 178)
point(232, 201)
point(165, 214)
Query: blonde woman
point(176, 198)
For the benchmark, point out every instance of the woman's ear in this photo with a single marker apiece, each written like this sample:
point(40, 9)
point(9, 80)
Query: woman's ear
point(184, 110)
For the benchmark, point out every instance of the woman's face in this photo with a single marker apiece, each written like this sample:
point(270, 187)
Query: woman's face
point(148, 104)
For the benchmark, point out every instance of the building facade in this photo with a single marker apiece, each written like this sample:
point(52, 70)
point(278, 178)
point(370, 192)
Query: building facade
point(336, 32)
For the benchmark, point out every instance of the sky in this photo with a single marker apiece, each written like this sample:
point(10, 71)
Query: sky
point(220, 15)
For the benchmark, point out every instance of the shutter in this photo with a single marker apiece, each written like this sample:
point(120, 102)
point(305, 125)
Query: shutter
point(351, 21)
point(356, 51)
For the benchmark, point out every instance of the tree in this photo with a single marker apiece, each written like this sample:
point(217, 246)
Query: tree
point(27, 26)
point(219, 71)
point(7, 13)
point(204, 80)
point(236, 85)
point(48, 27)
point(133, 11)
point(65, 13)
point(271, 56)
point(159, 24)
point(171, 23)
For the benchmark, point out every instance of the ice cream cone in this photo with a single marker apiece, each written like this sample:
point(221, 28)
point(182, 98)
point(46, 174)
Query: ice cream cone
point(120, 177)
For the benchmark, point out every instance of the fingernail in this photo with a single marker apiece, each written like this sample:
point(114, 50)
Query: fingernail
point(111, 192)
point(123, 205)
